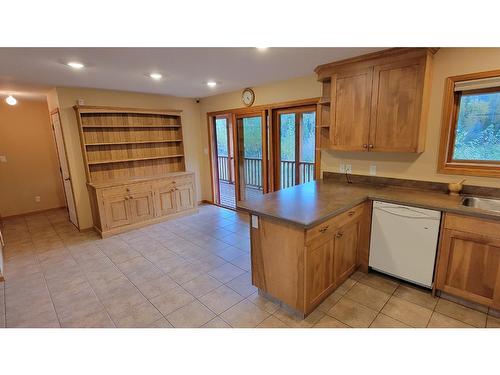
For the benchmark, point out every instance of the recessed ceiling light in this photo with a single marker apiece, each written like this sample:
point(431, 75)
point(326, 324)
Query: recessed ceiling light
point(76, 65)
point(262, 48)
point(211, 83)
point(11, 100)
point(156, 76)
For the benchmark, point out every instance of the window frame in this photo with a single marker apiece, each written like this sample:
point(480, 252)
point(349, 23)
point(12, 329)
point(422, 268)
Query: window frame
point(451, 108)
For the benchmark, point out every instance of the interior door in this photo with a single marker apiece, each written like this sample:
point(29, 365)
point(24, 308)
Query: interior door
point(251, 134)
point(295, 154)
point(63, 167)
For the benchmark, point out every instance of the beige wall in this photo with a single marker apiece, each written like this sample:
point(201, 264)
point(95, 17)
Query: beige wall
point(65, 98)
point(32, 169)
point(447, 62)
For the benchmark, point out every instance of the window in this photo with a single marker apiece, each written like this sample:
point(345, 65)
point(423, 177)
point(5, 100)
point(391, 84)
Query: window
point(470, 138)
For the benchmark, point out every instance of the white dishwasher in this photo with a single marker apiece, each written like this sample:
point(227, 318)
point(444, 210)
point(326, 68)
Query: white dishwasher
point(404, 242)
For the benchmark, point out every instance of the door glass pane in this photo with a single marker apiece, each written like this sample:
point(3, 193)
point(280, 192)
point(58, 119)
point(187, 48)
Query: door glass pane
point(307, 146)
point(227, 195)
point(287, 149)
point(250, 153)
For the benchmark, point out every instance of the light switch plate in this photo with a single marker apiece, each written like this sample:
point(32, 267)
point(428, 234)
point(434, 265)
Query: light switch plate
point(255, 221)
point(3, 158)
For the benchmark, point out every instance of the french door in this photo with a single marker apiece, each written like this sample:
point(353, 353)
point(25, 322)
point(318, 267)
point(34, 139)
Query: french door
point(295, 134)
point(224, 161)
point(251, 142)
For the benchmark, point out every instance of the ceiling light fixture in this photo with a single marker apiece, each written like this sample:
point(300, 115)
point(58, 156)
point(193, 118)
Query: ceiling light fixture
point(76, 65)
point(10, 100)
point(211, 83)
point(156, 76)
point(262, 49)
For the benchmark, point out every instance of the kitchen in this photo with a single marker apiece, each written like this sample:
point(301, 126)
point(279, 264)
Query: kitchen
point(202, 205)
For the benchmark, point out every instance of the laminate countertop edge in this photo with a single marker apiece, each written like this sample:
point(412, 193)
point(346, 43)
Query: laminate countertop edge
point(451, 204)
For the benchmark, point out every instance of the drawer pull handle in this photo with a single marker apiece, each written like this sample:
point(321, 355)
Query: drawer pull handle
point(324, 229)
point(126, 198)
point(339, 234)
point(350, 213)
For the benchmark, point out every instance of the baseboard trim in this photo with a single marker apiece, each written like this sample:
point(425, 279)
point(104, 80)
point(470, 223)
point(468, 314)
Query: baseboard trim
point(34, 212)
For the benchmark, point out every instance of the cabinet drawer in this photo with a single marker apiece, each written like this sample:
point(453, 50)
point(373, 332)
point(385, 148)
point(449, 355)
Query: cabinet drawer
point(472, 225)
point(126, 189)
point(330, 226)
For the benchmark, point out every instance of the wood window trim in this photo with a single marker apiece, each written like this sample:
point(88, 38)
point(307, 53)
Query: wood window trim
point(448, 126)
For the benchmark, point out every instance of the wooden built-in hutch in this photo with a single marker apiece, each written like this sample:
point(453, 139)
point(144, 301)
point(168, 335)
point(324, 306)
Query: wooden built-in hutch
point(135, 166)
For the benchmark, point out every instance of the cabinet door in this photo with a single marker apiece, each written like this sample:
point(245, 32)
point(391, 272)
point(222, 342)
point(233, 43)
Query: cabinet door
point(117, 211)
point(319, 271)
point(469, 267)
point(165, 199)
point(397, 106)
point(141, 206)
point(346, 252)
point(184, 197)
point(350, 113)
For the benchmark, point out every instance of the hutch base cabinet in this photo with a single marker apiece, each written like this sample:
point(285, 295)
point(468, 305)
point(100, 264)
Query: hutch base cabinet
point(121, 207)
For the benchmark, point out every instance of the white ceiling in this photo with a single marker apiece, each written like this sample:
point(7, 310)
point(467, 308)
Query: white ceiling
point(33, 71)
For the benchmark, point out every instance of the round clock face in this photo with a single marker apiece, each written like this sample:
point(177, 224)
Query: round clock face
point(248, 97)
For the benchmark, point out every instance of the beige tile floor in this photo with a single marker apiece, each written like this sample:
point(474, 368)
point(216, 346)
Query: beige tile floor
point(188, 272)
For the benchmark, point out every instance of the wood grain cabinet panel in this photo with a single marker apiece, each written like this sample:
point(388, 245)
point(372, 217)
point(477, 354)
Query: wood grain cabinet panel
point(319, 270)
point(117, 211)
point(350, 117)
point(396, 105)
point(165, 199)
point(184, 197)
point(469, 264)
point(141, 206)
point(346, 251)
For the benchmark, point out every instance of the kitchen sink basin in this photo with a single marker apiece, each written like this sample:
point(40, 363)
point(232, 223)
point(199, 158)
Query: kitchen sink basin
point(487, 204)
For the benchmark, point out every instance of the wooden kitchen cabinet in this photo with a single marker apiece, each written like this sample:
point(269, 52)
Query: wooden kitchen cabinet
point(378, 102)
point(116, 211)
point(469, 260)
point(351, 102)
point(141, 206)
point(184, 197)
point(320, 279)
point(126, 206)
point(346, 251)
point(309, 264)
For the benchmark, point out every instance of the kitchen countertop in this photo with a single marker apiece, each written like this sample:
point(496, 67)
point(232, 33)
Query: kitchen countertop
point(308, 205)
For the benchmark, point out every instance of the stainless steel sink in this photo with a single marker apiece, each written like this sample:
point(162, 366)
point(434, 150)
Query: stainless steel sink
point(487, 204)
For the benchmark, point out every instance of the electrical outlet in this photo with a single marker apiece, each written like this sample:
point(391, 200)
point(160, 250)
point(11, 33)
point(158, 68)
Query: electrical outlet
point(348, 168)
point(37, 198)
point(342, 168)
point(373, 170)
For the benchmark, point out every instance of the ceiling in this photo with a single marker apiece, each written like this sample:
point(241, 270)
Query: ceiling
point(34, 71)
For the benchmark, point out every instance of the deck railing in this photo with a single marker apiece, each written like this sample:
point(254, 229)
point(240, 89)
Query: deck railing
point(253, 172)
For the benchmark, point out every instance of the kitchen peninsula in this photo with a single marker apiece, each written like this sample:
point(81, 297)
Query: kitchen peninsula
point(308, 239)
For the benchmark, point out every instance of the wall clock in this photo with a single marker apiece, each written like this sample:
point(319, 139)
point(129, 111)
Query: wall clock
point(248, 97)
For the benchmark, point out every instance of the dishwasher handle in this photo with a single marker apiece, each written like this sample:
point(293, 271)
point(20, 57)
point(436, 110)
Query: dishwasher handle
point(404, 211)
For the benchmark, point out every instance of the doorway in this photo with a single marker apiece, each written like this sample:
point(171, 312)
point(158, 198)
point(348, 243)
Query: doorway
point(63, 167)
point(224, 155)
point(295, 147)
point(251, 135)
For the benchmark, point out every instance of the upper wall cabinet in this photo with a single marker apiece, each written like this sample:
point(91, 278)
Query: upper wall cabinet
point(376, 102)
